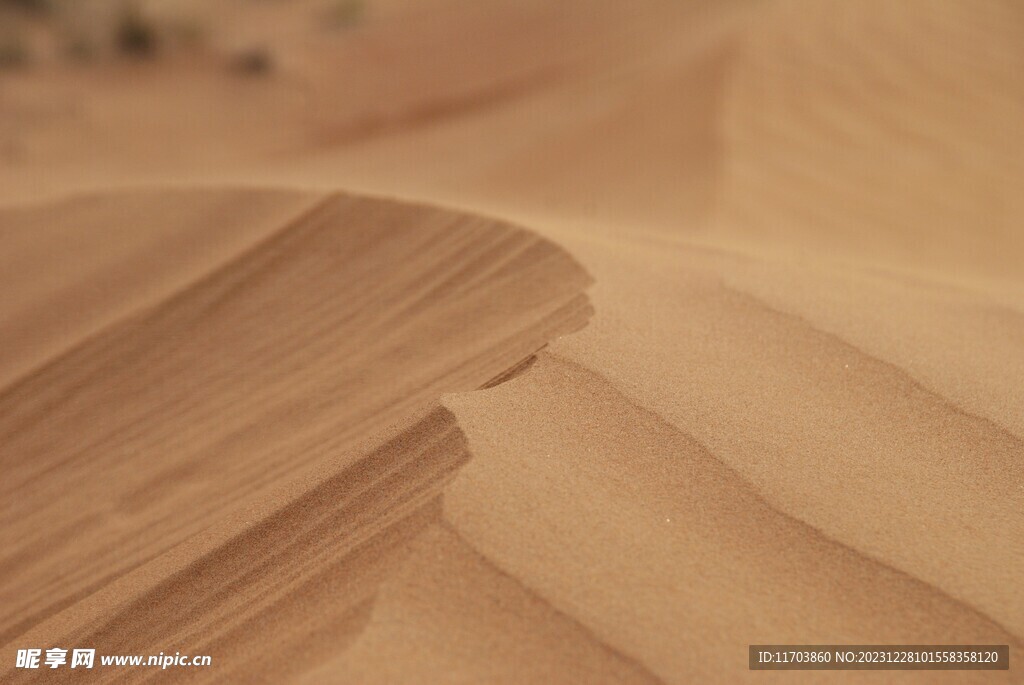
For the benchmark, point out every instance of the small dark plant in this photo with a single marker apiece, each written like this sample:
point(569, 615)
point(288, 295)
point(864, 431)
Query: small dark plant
point(13, 52)
point(135, 35)
point(345, 13)
point(253, 62)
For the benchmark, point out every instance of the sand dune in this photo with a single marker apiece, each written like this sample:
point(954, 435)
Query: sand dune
point(736, 567)
point(910, 142)
point(347, 322)
point(328, 438)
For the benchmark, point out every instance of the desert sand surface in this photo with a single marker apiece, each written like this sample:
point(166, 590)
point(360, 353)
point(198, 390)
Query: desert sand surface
point(514, 341)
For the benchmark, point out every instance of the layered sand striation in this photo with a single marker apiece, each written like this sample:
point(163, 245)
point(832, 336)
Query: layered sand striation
point(266, 436)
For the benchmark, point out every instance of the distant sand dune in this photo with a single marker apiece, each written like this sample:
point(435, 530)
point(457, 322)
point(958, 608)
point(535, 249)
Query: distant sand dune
point(886, 131)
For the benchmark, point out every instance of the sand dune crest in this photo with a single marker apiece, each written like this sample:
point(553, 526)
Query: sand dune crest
point(278, 413)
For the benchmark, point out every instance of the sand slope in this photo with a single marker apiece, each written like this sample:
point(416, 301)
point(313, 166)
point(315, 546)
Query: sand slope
point(795, 414)
point(278, 413)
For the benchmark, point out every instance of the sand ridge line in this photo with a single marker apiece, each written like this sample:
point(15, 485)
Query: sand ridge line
point(676, 511)
point(594, 638)
point(755, 492)
point(235, 400)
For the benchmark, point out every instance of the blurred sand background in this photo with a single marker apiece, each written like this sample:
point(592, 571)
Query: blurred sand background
point(510, 341)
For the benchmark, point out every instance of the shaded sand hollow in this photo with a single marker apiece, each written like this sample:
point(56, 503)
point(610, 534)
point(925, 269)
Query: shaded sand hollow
point(326, 438)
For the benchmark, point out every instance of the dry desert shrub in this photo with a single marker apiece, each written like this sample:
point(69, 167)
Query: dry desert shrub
point(344, 13)
point(14, 51)
point(252, 62)
point(135, 35)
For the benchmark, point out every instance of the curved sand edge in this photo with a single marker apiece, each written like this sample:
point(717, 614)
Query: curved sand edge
point(314, 359)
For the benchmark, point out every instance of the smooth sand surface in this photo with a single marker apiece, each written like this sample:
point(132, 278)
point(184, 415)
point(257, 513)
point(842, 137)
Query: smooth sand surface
point(737, 360)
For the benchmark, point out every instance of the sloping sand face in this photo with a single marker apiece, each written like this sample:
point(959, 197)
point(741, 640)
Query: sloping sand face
point(264, 437)
point(796, 414)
